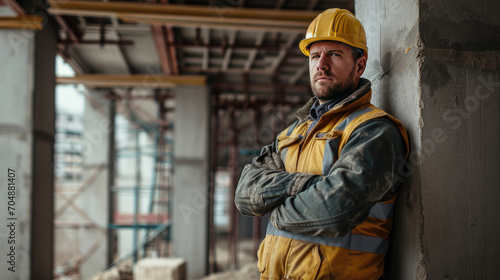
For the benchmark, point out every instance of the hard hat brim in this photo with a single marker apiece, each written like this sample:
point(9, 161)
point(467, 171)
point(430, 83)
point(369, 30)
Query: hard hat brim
point(303, 45)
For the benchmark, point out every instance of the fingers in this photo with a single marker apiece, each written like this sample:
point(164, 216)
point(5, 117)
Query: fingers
point(278, 162)
point(274, 162)
point(269, 160)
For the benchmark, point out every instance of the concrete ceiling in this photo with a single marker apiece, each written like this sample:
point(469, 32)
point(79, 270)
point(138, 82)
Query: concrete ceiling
point(256, 53)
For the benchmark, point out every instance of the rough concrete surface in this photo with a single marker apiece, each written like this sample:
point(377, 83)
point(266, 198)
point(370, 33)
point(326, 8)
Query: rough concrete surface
point(16, 148)
point(460, 138)
point(460, 24)
point(392, 29)
point(434, 65)
point(460, 162)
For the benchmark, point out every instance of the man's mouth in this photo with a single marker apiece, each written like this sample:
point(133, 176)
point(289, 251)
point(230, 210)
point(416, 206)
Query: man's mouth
point(323, 78)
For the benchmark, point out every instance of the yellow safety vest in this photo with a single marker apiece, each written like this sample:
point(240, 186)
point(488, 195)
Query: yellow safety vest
point(358, 255)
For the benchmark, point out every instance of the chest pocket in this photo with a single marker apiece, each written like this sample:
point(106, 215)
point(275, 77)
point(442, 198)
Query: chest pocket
point(330, 141)
point(286, 143)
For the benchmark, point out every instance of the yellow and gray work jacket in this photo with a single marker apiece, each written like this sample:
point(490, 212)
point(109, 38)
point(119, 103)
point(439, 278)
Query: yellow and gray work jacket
point(331, 205)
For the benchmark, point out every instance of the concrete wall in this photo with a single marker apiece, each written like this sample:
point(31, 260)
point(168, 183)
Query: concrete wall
point(461, 95)
point(393, 67)
point(190, 193)
point(27, 126)
point(16, 146)
point(435, 67)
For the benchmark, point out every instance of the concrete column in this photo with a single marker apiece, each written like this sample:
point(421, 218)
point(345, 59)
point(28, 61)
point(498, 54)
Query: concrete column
point(190, 193)
point(16, 148)
point(94, 200)
point(460, 86)
point(393, 67)
point(27, 114)
point(435, 67)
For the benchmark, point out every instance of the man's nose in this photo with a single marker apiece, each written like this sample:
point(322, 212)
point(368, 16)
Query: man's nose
point(323, 62)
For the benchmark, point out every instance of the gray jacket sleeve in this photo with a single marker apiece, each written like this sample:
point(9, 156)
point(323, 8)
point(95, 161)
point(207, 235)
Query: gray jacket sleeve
point(262, 187)
point(333, 204)
point(365, 171)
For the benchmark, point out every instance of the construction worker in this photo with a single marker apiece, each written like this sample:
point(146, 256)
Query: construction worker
point(329, 181)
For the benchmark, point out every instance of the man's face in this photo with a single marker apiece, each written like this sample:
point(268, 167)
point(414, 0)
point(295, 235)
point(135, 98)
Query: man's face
point(333, 70)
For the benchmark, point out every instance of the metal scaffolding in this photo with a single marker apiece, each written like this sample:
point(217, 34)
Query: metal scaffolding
point(236, 137)
point(150, 218)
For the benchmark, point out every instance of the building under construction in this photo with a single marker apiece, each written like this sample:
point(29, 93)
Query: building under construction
point(124, 127)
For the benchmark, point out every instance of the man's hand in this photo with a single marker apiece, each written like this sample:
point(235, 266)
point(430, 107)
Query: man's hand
point(264, 184)
point(269, 160)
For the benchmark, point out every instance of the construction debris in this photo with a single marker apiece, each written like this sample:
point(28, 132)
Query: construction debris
point(161, 269)
point(121, 272)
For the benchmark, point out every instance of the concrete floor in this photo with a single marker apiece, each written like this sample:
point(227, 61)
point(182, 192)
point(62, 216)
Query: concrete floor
point(247, 260)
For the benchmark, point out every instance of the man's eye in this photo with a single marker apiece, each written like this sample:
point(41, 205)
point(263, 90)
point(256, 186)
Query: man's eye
point(335, 54)
point(314, 56)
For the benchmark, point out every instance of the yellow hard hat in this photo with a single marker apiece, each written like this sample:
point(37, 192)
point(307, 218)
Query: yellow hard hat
point(335, 25)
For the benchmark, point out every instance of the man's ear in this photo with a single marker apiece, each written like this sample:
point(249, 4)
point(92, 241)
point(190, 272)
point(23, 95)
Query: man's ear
point(360, 66)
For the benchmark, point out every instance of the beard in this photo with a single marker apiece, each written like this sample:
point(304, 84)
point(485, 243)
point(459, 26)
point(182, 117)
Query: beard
point(337, 89)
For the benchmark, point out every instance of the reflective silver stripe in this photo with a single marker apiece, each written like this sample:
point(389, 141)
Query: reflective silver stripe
point(330, 154)
point(369, 244)
point(351, 117)
point(357, 242)
point(382, 210)
point(284, 152)
point(292, 127)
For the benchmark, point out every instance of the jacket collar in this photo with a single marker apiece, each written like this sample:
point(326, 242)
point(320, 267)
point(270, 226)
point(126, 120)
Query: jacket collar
point(360, 96)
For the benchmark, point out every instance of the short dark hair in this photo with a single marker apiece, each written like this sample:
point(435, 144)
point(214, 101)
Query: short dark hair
point(356, 53)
